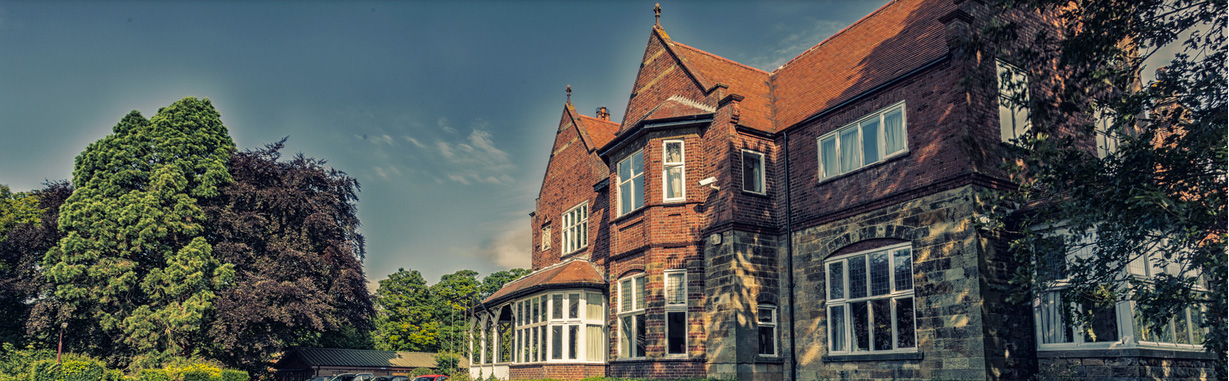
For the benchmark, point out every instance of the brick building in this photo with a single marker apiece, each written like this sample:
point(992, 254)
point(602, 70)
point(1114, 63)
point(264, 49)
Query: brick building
point(667, 245)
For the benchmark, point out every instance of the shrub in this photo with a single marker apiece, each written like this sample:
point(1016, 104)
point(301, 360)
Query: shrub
point(419, 372)
point(153, 375)
point(72, 369)
point(234, 375)
point(197, 375)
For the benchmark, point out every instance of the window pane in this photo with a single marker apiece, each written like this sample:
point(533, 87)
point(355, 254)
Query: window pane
point(1054, 327)
point(857, 277)
point(893, 131)
point(593, 306)
point(676, 291)
point(535, 357)
point(573, 306)
point(625, 170)
point(870, 140)
point(627, 336)
point(904, 324)
point(534, 302)
point(625, 296)
point(881, 309)
point(639, 335)
point(542, 302)
point(637, 163)
point(639, 290)
point(765, 315)
point(637, 192)
point(556, 342)
point(850, 158)
point(768, 340)
point(625, 197)
point(676, 332)
point(1104, 326)
point(573, 336)
point(879, 274)
point(593, 340)
point(674, 152)
point(543, 349)
point(1181, 334)
point(903, 263)
point(827, 150)
point(557, 312)
point(752, 176)
point(836, 316)
point(674, 182)
point(861, 326)
point(836, 280)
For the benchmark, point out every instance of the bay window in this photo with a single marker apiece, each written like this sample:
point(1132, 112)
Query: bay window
point(560, 326)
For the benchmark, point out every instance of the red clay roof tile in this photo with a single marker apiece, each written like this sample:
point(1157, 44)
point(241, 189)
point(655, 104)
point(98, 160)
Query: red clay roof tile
point(569, 274)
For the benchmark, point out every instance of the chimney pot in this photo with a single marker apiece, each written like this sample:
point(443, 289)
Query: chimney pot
point(603, 113)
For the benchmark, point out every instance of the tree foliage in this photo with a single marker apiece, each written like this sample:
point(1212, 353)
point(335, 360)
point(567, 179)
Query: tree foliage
point(1156, 201)
point(415, 317)
point(133, 272)
point(22, 246)
point(291, 230)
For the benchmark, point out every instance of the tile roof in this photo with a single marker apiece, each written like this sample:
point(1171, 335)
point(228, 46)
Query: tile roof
point(900, 36)
point(601, 131)
point(363, 358)
point(573, 273)
point(743, 80)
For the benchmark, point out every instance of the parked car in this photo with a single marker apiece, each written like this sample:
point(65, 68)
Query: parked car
point(392, 378)
point(354, 377)
point(432, 377)
point(321, 378)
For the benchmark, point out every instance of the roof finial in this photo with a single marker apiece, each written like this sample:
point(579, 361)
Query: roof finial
point(657, 15)
point(569, 90)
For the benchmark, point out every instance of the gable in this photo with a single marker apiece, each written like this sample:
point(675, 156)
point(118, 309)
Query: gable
point(663, 74)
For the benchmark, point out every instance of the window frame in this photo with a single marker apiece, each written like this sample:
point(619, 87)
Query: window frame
point(763, 180)
point(823, 173)
point(666, 166)
point(1130, 329)
point(637, 309)
point(573, 226)
point(631, 182)
point(545, 238)
point(1020, 112)
point(893, 296)
point(772, 323)
point(546, 347)
point(674, 308)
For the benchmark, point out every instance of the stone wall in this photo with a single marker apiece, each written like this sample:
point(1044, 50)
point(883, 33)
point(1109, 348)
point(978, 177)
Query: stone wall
point(742, 272)
point(1125, 365)
point(947, 294)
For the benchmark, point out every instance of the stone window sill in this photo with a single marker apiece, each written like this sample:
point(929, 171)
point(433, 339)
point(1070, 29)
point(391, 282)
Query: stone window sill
point(874, 357)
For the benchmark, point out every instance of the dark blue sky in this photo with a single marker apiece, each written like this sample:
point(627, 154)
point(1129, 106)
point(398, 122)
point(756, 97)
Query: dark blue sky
point(444, 111)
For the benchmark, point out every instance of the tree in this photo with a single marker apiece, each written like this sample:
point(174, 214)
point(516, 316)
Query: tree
point(22, 246)
point(412, 316)
point(497, 280)
point(1158, 200)
point(133, 273)
point(406, 314)
point(291, 230)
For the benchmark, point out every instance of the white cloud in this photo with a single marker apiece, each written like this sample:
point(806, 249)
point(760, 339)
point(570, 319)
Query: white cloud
point(443, 124)
point(476, 159)
point(414, 142)
point(510, 246)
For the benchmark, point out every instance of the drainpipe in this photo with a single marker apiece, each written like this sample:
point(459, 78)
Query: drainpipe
point(789, 258)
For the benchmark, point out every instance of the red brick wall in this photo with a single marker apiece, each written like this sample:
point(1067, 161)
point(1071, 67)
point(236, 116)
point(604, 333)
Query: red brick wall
point(556, 371)
point(570, 175)
point(657, 369)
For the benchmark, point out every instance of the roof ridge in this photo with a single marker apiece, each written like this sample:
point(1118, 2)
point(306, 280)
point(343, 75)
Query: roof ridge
point(834, 35)
point(698, 50)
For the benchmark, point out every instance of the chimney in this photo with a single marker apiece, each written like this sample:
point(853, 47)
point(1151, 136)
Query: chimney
point(603, 113)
